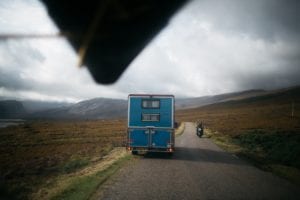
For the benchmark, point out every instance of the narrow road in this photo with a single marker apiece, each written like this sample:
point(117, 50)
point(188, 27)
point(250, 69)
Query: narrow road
point(198, 170)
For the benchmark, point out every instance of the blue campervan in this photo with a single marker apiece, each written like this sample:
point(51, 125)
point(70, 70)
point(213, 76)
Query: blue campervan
point(150, 123)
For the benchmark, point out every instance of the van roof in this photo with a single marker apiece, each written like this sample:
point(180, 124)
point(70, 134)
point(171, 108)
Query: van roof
point(151, 95)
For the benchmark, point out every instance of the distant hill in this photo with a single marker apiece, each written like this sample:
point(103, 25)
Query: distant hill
point(104, 108)
point(286, 95)
point(11, 109)
point(269, 105)
point(206, 100)
point(36, 106)
point(98, 108)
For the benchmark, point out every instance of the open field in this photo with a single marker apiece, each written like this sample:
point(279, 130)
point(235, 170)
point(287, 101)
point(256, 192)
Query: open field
point(42, 156)
point(34, 153)
point(261, 129)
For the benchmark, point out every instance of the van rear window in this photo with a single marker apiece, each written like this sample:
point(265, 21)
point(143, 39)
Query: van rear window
point(150, 117)
point(150, 103)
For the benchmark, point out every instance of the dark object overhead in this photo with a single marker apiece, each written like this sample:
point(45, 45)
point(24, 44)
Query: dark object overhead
point(109, 34)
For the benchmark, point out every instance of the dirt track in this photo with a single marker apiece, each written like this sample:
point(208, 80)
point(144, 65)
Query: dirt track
point(198, 170)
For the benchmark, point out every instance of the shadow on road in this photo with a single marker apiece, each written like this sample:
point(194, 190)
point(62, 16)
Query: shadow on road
point(158, 155)
point(197, 155)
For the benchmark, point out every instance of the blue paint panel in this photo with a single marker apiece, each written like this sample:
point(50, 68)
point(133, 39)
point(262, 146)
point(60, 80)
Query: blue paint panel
point(161, 138)
point(139, 138)
point(165, 111)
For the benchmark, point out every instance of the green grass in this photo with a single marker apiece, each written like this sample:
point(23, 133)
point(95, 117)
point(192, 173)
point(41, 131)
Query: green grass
point(84, 187)
point(74, 165)
point(271, 147)
point(274, 151)
point(290, 173)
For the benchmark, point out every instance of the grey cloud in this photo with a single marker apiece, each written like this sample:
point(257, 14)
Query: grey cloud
point(246, 45)
point(12, 81)
point(279, 79)
point(17, 56)
point(273, 24)
point(266, 19)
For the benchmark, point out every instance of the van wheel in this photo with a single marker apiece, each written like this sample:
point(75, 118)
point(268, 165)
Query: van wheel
point(134, 152)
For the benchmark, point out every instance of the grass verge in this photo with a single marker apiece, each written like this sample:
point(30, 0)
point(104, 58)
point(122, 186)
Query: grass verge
point(180, 129)
point(276, 152)
point(82, 184)
point(85, 187)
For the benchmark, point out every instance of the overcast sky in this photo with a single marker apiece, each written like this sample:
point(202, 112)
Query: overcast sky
point(210, 47)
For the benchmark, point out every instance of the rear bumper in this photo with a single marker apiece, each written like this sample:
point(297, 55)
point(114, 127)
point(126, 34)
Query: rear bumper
point(146, 149)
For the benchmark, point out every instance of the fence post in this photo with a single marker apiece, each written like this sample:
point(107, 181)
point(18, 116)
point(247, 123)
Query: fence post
point(292, 109)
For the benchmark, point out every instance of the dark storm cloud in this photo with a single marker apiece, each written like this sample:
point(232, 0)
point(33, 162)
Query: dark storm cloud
point(271, 28)
point(284, 65)
point(277, 79)
point(17, 55)
point(266, 19)
point(24, 68)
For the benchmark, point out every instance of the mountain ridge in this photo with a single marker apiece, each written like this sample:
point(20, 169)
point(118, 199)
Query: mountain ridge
point(108, 108)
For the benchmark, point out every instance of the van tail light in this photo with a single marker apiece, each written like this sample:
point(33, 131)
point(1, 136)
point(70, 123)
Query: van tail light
point(169, 144)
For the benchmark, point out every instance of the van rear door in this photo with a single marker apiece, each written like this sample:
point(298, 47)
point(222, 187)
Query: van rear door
point(138, 137)
point(160, 138)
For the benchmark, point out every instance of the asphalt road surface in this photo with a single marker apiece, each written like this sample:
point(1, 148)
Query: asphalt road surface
point(198, 170)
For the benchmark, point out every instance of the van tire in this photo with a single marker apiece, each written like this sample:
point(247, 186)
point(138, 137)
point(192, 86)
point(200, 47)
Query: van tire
point(134, 152)
point(170, 154)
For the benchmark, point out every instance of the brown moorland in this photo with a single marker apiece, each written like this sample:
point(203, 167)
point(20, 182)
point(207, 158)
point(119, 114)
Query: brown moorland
point(35, 152)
